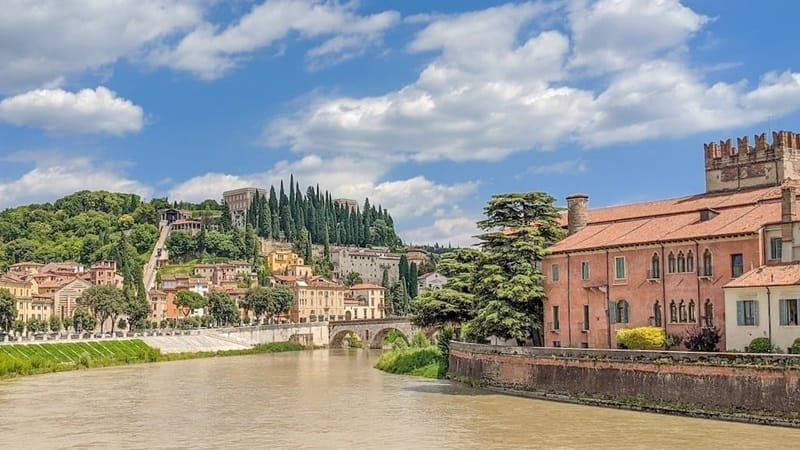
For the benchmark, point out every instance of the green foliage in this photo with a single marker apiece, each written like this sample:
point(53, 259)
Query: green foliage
point(641, 338)
point(442, 306)
point(8, 309)
point(762, 345)
point(55, 324)
point(705, 339)
point(796, 347)
point(103, 302)
point(84, 321)
point(411, 361)
point(395, 339)
point(419, 340)
point(353, 341)
point(189, 301)
point(352, 278)
point(446, 335)
point(223, 309)
point(671, 341)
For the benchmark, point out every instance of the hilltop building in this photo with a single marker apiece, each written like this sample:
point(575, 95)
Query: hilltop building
point(369, 263)
point(726, 257)
point(239, 201)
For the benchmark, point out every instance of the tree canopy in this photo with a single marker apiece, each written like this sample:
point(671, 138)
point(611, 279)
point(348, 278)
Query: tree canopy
point(8, 310)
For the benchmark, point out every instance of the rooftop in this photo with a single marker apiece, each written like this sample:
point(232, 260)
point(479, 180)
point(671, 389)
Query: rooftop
point(777, 275)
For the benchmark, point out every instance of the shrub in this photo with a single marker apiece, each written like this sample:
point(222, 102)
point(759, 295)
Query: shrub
point(796, 347)
point(410, 360)
point(641, 338)
point(420, 340)
point(394, 338)
point(671, 341)
point(443, 342)
point(761, 345)
point(705, 339)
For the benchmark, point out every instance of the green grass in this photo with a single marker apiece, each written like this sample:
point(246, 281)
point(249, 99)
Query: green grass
point(172, 269)
point(31, 359)
point(417, 361)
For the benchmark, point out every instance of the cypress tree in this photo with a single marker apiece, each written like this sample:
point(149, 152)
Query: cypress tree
point(412, 281)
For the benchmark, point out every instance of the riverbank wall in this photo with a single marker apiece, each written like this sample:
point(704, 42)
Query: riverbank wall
point(758, 388)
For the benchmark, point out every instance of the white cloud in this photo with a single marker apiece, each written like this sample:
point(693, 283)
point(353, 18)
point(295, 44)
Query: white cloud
point(452, 226)
point(210, 52)
point(616, 34)
point(505, 80)
point(45, 40)
point(86, 111)
point(54, 177)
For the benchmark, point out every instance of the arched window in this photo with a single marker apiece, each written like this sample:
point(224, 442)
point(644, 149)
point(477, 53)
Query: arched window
point(622, 311)
point(709, 313)
point(655, 266)
point(657, 314)
point(673, 312)
point(682, 312)
point(692, 314)
point(690, 261)
point(681, 262)
point(707, 271)
point(671, 263)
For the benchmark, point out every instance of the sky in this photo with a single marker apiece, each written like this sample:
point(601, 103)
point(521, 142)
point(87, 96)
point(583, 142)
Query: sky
point(426, 107)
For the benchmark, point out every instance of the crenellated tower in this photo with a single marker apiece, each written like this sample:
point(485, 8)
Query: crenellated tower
point(745, 166)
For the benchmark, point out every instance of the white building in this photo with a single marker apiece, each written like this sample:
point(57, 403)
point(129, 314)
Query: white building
point(431, 281)
point(370, 264)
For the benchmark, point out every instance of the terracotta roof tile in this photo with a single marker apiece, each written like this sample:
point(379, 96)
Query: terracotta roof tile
point(778, 275)
point(364, 286)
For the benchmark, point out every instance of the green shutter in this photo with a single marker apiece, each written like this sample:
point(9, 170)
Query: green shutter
point(783, 306)
point(740, 313)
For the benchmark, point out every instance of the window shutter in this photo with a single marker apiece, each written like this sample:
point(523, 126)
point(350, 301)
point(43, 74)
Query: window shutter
point(755, 312)
point(612, 311)
point(740, 313)
point(783, 306)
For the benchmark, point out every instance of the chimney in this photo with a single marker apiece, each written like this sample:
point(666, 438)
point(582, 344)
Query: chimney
point(788, 204)
point(577, 213)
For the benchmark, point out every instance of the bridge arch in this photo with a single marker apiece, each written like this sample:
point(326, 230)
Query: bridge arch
point(377, 340)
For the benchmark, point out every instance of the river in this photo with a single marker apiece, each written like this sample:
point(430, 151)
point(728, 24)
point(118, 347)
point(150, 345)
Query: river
point(324, 399)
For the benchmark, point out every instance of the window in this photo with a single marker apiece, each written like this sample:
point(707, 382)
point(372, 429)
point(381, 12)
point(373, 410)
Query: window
point(707, 271)
point(612, 312)
point(737, 265)
point(585, 270)
point(788, 312)
point(709, 313)
point(555, 272)
point(622, 311)
point(682, 312)
point(556, 343)
point(619, 264)
point(681, 262)
point(556, 322)
point(692, 313)
point(775, 248)
point(747, 313)
point(657, 314)
point(673, 312)
point(671, 263)
point(690, 261)
point(585, 317)
point(655, 266)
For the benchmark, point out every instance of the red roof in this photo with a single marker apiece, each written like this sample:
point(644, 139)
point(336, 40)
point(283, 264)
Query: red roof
point(364, 286)
point(778, 275)
point(677, 219)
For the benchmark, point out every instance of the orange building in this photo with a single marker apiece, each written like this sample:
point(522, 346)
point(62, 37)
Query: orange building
point(665, 263)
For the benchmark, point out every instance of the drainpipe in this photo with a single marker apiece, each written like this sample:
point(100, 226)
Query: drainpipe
point(664, 289)
point(569, 303)
point(608, 301)
point(769, 316)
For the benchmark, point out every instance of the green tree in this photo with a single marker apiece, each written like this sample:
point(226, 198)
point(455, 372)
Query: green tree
point(413, 280)
point(104, 302)
point(352, 278)
point(508, 288)
point(385, 280)
point(8, 309)
point(434, 308)
point(138, 310)
point(84, 320)
point(283, 298)
point(223, 308)
point(55, 324)
point(188, 301)
point(261, 301)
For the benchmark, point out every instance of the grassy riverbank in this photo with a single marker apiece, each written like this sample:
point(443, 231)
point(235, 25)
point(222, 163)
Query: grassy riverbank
point(31, 359)
point(419, 359)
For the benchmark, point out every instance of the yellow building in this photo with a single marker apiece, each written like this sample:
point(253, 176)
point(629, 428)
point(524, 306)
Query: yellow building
point(364, 301)
point(278, 261)
point(315, 299)
point(35, 307)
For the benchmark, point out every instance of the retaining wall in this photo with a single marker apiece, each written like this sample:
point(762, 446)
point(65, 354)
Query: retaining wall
point(749, 383)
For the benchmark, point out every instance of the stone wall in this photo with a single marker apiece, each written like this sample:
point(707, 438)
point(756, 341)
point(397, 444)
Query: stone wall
point(714, 381)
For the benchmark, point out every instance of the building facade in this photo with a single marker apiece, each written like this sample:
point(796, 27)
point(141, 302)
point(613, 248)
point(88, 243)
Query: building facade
point(664, 263)
point(370, 264)
point(364, 301)
point(239, 201)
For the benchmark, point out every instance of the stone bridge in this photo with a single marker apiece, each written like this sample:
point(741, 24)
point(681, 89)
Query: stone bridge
point(370, 331)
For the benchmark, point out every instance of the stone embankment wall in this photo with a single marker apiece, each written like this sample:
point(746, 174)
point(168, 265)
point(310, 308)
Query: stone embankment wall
point(726, 382)
point(217, 339)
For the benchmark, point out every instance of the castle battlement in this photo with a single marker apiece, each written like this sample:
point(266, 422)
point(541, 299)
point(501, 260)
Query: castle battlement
point(724, 150)
point(730, 167)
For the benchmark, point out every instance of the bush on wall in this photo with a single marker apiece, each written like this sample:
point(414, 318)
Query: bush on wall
point(641, 338)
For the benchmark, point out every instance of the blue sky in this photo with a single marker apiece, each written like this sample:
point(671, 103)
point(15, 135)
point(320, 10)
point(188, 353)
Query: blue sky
point(428, 108)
